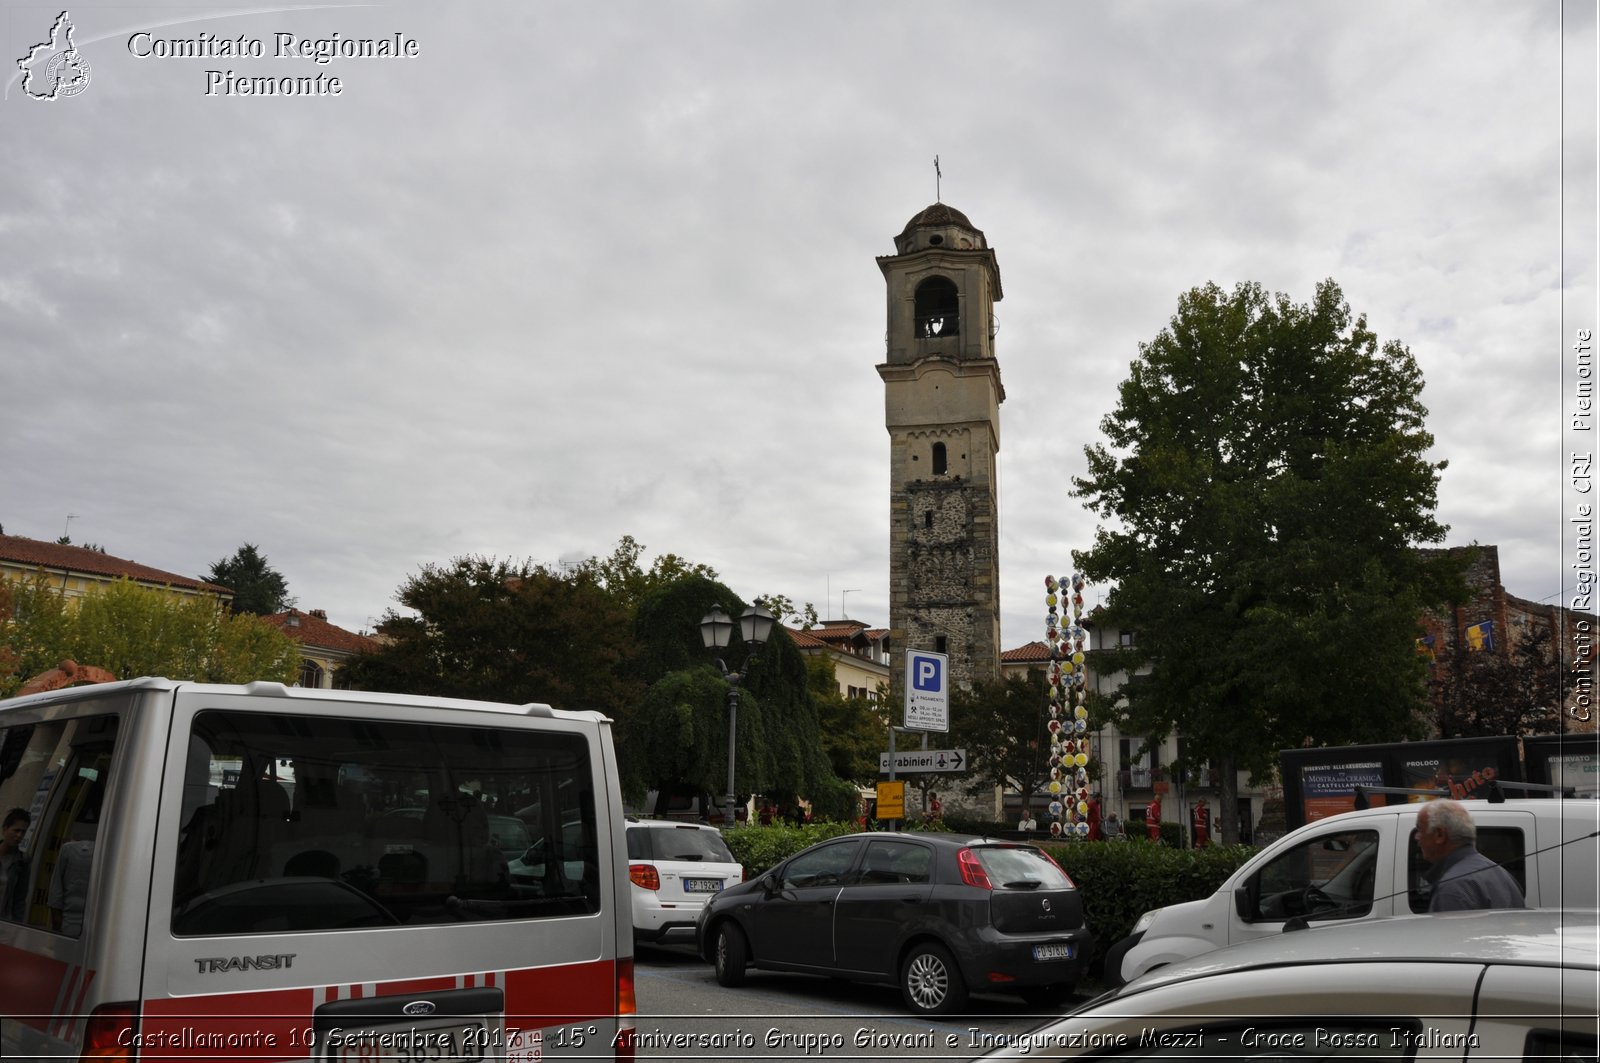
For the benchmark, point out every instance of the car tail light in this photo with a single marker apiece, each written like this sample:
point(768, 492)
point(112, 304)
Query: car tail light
point(972, 872)
point(644, 876)
point(627, 1009)
point(108, 1035)
point(1070, 884)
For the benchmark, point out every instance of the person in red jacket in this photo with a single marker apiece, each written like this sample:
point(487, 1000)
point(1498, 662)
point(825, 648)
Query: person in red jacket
point(1152, 819)
point(1201, 824)
point(1093, 817)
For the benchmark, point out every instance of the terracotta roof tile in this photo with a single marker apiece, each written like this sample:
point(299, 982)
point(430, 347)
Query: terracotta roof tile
point(1033, 651)
point(75, 559)
point(313, 629)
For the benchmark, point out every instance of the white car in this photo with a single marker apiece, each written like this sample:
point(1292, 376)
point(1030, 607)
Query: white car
point(674, 869)
point(1495, 985)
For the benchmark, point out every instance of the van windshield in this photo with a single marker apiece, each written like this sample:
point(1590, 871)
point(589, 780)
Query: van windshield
point(319, 822)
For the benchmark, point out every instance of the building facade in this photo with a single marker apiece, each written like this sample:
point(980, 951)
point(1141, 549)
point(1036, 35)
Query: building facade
point(75, 571)
point(324, 647)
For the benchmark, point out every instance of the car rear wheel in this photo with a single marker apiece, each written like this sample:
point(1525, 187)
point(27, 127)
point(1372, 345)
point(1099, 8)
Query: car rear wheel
point(731, 955)
point(930, 982)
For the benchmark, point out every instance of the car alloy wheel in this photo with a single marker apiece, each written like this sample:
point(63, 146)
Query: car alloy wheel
point(731, 955)
point(930, 982)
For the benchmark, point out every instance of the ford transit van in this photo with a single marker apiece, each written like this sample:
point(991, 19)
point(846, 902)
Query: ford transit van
point(270, 873)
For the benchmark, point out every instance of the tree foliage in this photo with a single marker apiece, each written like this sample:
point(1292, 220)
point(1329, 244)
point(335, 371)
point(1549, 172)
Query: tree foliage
point(1002, 726)
point(496, 631)
point(133, 631)
point(257, 587)
point(1488, 693)
point(853, 730)
point(1268, 479)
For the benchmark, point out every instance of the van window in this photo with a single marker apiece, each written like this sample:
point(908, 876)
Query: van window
point(58, 771)
point(320, 822)
point(1504, 845)
point(1331, 876)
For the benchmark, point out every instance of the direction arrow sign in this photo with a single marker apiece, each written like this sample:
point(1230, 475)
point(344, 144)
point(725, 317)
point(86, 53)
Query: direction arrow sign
point(914, 760)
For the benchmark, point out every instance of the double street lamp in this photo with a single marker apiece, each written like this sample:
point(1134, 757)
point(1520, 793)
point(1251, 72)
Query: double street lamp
point(716, 628)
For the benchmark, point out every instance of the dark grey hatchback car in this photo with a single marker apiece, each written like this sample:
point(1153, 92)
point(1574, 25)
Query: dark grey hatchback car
point(940, 915)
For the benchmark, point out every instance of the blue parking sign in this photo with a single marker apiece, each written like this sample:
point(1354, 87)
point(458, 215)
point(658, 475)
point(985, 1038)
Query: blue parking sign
point(927, 691)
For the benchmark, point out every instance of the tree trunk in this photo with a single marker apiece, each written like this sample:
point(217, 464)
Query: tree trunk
point(1227, 819)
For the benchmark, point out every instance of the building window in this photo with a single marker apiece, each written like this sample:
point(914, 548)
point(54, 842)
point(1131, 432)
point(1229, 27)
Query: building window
point(941, 461)
point(927, 518)
point(941, 644)
point(310, 673)
point(1125, 639)
point(938, 308)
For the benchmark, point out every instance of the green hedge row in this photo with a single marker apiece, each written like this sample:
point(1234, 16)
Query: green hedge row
point(1119, 881)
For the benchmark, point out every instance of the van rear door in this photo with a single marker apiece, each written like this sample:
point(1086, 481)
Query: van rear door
point(343, 890)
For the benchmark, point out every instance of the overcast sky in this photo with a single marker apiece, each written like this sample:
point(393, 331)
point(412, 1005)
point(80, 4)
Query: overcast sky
point(584, 270)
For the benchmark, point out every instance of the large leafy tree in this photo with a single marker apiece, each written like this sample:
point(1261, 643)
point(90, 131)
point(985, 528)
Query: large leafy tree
point(853, 730)
point(497, 631)
point(132, 631)
point(1268, 482)
point(257, 587)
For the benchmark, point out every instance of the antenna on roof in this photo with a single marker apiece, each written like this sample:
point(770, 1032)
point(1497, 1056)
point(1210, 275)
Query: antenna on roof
point(66, 529)
point(937, 177)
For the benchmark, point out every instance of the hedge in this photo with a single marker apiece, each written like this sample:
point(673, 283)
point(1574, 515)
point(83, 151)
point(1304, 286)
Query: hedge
point(1118, 881)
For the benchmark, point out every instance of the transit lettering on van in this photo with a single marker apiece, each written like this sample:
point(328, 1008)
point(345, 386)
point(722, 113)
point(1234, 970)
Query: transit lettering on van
point(213, 964)
point(278, 870)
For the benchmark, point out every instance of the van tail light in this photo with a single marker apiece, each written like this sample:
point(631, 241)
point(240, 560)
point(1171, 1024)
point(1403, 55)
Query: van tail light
point(627, 1009)
point(972, 872)
point(109, 1033)
point(644, 876)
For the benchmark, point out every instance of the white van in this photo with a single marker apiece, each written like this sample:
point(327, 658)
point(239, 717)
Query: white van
point(1366, 865)
point(273, 874)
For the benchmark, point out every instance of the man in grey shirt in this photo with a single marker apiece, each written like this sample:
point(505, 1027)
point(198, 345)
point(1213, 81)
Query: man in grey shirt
point(1462, 878)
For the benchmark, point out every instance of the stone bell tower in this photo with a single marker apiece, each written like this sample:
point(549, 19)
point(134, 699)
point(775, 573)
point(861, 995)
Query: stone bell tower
point(942, 397)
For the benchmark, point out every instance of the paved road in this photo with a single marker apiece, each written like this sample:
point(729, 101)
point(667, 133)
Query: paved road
point(684, 1014)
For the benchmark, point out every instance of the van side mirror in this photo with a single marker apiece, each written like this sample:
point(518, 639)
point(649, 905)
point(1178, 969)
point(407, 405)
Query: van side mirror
point(1242, 903)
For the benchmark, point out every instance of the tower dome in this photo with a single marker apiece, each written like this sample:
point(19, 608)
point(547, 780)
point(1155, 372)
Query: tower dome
point(939, 226)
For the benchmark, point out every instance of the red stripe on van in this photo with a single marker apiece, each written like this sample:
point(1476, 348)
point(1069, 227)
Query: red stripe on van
point(271, 1025)
point(31, 985)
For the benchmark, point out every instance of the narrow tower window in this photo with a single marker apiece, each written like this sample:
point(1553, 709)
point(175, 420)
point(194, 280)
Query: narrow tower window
point(938, 307)
point(941, 463)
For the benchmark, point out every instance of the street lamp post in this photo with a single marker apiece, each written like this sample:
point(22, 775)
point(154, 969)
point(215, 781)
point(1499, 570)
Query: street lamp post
point(716, 629)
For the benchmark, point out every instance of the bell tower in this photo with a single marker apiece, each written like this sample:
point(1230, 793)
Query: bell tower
point(942, 397)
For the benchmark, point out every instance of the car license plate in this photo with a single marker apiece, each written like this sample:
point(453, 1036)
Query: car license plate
point(460, 1041)
point(1052, 952)
point(702, 885)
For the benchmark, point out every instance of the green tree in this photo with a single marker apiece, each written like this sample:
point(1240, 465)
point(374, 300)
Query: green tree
point(1003, 726)
point(779, 747)
point(132, 631)
point(1489, 693)
point(1268, 479)
point(630, 583)
point(256, 587)
point(496, 631)
point(853, 730)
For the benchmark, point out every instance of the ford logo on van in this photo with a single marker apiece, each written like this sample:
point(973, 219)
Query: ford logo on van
point(419, 1007)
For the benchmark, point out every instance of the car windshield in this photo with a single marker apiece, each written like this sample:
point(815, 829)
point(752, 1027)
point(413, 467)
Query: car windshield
point(681, 843)
point(1021, 867)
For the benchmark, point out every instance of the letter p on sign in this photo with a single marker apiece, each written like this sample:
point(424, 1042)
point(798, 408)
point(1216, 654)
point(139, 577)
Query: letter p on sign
point(927, 674)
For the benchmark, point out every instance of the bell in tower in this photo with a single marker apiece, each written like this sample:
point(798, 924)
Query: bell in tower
point(942, 396)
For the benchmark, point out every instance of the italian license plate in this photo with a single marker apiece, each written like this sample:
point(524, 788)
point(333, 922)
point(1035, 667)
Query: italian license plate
point(1052, 952)
point(460, 1041)
point(702, 885)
